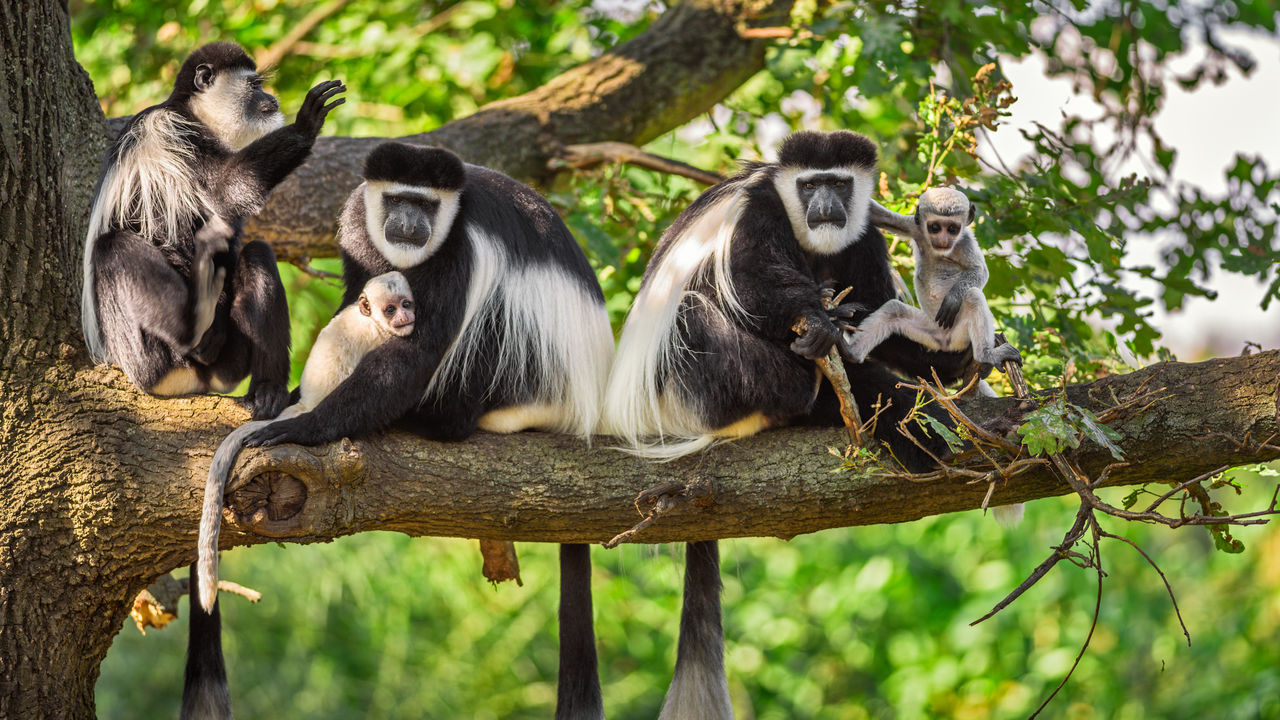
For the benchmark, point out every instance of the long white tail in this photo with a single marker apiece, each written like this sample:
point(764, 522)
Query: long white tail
point(211, 516)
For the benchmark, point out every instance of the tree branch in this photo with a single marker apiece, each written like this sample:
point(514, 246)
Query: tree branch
point(690, 58)
point(538, 487)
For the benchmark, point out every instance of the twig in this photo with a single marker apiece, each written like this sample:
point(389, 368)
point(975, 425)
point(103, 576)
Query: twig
point(304, 264)
point(273, 55)
point(590, 154)
point(1060, 552)
point(237, 589)
point(1167, 586)
point(1183, 486)
point(832, 367)
point(661, 500)
point(1097, 611)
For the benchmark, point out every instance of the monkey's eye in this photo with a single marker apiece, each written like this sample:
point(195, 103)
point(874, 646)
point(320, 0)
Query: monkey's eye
point(389, 310)
point(840, 183)
point(808, 186)
point(407, 304)
point(935, 227)
point(953, 229)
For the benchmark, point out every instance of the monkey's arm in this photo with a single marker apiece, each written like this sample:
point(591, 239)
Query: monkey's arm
point(248, 176)
point(775, 287)
point(886, 219)
point(386, 385)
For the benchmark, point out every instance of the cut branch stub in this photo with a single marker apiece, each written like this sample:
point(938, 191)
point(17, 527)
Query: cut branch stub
point(298, 494)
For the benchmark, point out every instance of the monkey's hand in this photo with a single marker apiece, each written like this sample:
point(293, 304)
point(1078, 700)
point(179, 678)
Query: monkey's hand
point(1001, 354)
point(841, 314)
point(818, 338)
point(314, 108)
point(949, 310)
point(294, 430)
point(265, 399)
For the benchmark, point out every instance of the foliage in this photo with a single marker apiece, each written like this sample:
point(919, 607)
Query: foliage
point(389, 627)
point(858, 623)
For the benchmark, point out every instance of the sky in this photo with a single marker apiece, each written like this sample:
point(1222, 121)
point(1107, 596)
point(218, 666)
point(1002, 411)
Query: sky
point(1208, 126)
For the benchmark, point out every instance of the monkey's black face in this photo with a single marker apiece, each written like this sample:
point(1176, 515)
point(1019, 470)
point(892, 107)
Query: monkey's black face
point(942, 231)
point(408, 218)
point(232, 103)
point(259, 102)
point(825, 197)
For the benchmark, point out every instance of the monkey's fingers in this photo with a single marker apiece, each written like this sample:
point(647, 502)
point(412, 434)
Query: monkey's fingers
point(948, 312)
point(277, 433)
point(847, 310)
point(813, 345)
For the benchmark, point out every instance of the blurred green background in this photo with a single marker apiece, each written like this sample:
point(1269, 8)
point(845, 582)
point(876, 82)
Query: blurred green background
point(864, 622)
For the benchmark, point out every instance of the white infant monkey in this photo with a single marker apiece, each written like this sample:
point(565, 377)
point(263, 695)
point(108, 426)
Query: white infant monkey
point(385, 309)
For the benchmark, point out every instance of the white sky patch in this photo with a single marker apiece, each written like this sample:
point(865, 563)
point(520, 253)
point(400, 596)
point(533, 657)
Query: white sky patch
point(1208, 127)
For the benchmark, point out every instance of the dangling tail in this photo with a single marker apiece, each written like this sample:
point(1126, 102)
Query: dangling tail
point(204, 693)
point(578, 693)
point(211, 515)
point(699, 689)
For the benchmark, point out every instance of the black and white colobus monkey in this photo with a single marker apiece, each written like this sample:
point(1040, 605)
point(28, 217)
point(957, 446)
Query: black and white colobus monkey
point(516, 336)
point(708, 352)
point(950, 273)
point(169, 295)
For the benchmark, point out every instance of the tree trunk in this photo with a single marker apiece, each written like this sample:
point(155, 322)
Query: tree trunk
point(57, 607)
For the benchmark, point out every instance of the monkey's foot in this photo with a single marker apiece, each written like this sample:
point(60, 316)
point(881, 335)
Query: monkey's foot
point(1002, 354)
point(266, 399)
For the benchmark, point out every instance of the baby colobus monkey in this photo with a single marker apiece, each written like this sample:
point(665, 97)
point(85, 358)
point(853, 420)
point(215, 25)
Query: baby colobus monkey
point(169, 294)
point(384, 309)
point(949, 276)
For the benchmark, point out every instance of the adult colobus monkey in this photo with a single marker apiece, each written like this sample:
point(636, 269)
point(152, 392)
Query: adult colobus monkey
point(169, 295)
point(516, 335)
point(950, 273)
point(708, 352)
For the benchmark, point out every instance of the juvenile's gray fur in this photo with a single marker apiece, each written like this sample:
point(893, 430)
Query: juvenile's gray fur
point(947, 270)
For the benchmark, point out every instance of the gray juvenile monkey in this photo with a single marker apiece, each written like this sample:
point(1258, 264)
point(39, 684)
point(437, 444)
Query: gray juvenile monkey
point(950, 273)
point(384, 310)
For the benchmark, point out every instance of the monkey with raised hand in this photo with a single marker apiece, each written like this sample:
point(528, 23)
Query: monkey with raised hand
point(949, 276)
point(169, 294)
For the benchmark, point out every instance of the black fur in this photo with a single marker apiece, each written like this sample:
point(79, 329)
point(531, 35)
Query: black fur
point(820, 151)
point(578, 691)
point(415, 165)
point(144, 286)
point(204, 690)
point(387, 387)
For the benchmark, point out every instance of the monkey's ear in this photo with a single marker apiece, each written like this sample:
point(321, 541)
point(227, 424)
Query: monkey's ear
point(204, 77)
point(973, 210)
point(365, 309)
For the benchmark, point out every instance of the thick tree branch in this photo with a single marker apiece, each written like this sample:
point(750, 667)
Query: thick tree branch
point(536, 487)
point(686, 61)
